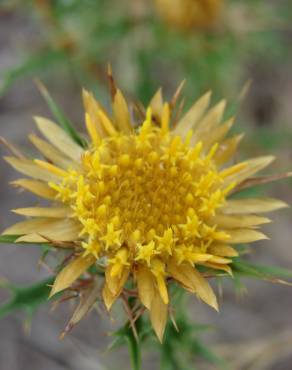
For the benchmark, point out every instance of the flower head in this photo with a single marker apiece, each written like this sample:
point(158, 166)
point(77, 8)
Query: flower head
point(146, 203)
point(186, 14)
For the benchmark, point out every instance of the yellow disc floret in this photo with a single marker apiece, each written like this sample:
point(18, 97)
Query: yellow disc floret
point(144, 197)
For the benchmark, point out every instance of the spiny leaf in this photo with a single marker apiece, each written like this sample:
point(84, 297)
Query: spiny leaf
point(116, 343)
point(8, 238)
point(274, 270)
point(270, 273)
point(188, 342)
point(60, 115)
point(125, 334)
point(240, 288)
point(168, 357)
point(26, 298)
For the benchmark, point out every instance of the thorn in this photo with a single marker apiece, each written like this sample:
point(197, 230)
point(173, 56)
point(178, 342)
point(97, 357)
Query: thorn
point(41, 263)
point(12, 148)
point(172, 318)
point(245, 90)
point(41, 87)
point(177, 94)
point(59, 244)
point(27, 324)
point(139, 313)
point(112, 84)
point(178, 113)
point(130, 316)
point(139, 110)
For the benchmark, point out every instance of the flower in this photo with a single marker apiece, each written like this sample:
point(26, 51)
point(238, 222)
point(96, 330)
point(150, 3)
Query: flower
point(148, 204)
point(186, 14)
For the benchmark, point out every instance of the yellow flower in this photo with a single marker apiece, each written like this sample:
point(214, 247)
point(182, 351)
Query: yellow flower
point(149, 203)
point(186, 14)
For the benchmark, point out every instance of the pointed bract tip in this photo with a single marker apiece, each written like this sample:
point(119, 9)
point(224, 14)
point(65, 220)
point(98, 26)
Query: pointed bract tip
point(214, 304)
point(208, 94)
point(109, 69)
point(85, 92)
point(41, 87)
point(52, 292)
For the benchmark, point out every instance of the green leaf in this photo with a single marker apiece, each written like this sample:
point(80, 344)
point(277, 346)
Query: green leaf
point(118, 342)
point(30, 66)
point(125, 334)
point(260, 271)
point(26, 298)
point(179, 348)
point(240, 288)
point(8, 238)
point(134, 349)
point(169, 355)
point(273, 270)
point(60, 115)
point(206, 353)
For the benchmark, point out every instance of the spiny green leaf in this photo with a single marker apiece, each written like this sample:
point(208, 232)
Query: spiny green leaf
point(125, 334)
point(117, 343)
point(169, 356)
point(8, 238)
point(260, 271)
point(26, 298)
point(178, 347)
point(240, 288)
point(60, 115)
point(273, 270)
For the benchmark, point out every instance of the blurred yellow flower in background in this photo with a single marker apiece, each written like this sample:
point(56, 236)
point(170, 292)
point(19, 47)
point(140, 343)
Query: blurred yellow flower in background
point(145, 201)
point(187, 14)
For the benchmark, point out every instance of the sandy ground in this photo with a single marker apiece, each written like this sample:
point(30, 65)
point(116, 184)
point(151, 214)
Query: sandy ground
point(257, 327)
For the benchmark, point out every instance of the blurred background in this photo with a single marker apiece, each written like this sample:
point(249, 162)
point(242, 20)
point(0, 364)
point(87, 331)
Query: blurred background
point(239, 49)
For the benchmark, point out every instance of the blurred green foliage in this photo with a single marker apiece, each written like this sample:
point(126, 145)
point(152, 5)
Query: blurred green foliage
point(182, 346)
point(83, 36)
point(26, 298)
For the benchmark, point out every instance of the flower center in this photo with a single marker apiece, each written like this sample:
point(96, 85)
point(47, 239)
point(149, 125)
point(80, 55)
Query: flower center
point(149, 192)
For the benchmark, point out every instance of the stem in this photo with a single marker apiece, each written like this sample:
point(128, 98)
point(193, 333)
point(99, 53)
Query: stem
point(134, 350)
point(132, 331)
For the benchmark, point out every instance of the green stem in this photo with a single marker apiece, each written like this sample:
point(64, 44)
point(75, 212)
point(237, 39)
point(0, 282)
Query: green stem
point(134, 350)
